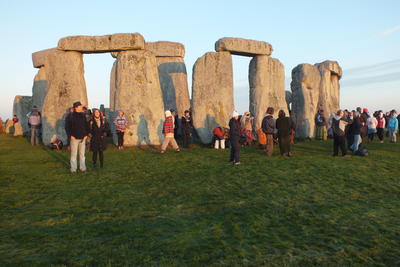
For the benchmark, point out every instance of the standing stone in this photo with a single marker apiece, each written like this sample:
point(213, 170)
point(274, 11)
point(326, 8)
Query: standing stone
point(18, 130)
point(305, 96)
point(243, 47)
point(173, 81)
point(39, 58)
point(329, 97)
point(21, 107)
point(39, 89)
point(267, 87)
point(9, 128)
point(212, 93)
point(139, 95)
point(113, 87)
point(288, 97)
point(66, 85)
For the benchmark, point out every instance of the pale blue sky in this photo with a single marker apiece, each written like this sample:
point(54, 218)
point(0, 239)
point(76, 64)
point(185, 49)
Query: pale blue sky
point(363, 36)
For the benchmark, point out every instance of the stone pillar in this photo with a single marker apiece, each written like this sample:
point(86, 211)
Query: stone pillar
point(113, 82)
point(21, 107)
point(288, 97)
point(65, 85)
point(305, 96)
point(139, 95)
point(212, 93)
point(267, 87)
point(173, 82)
point(39, 89)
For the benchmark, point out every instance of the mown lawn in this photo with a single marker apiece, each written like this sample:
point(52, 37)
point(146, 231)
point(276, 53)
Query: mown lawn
point(196, 209)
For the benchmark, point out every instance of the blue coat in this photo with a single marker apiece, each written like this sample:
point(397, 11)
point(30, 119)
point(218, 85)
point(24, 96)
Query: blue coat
point(393, 124)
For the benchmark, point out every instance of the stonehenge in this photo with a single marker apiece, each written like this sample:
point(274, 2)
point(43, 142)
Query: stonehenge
point(22, 106)
point(149, 77)
point(314, 87)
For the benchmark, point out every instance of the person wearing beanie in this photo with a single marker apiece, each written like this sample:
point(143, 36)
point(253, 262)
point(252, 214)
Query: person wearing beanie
point(268, 126)
point(235, 131)
point(168, 131)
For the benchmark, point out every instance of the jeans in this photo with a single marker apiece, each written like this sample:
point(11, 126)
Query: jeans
point(356, 142)
point(34, 136)
point(78, 144)
point(393, 135)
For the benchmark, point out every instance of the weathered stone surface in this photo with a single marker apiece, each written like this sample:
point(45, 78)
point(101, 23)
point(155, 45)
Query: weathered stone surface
point(113, 85)
point(174, 84)
point(288, 97)
point(314, 87)
point(39, 88)
point(100, 44)
point(9, 128)
point(166, 49)
point(212, 93)
point(243, 47)
point(18, 130)
point(39, 58)
point(139, 95)
point(21, 107)
point(267, 87)
point(66, 85)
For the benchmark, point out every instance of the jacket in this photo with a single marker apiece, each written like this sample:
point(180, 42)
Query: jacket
point(381, 122)
point(168, 125)
point(98, 135)
point(393, 124)
point(120, 123)
point(339, 125)
point(77, 125)
point(187, 125)
point(319, 120)
point(235, 130)
point(268, 124)
point(283, 125)
point(218, 132)
point(356, 126)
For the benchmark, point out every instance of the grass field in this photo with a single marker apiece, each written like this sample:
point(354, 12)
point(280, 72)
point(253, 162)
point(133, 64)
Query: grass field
point(196, 209)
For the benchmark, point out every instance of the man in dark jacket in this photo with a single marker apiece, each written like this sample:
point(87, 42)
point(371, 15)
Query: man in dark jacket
point(339, 123)
point(234, 137)
point(284, 126)
point(78, 129)
point(187, 128)
point(356, 129)
point(268, 127)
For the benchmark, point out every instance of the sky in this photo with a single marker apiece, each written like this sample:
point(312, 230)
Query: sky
point(363, 36)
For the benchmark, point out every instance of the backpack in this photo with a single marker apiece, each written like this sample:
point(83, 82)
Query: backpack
point(57, 145)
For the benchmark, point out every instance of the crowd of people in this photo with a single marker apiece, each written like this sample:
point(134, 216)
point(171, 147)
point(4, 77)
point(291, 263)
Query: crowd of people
point(350, 131)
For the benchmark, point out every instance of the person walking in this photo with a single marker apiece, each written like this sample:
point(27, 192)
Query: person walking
point(320, 124)
point(393, 126)
point(98, 127)
point(372, 123)
point(121, 124)
point(235, 131)
point(187, 128)
point(168, 131)
point(268, 126)
point(78, 129)
point(34, 121)
point(380, 128)
point(339, 123)
point(283, 125)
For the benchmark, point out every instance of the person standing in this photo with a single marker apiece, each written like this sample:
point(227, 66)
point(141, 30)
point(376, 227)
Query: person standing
point(320, 124)
point(218, 140)
point(98, 130)
point(120, 123)
point(78, 129)
point(1, 126)
point(235, 131)
point(187, 128)
point(247, 125)
point(168, 131)
point(372, 122)
point(380, 128)
point(393, 126)
point(283, 125)
point(15, 119)
point(268, 126)
point(34, 121)
point(339, 123)
point(356, 129)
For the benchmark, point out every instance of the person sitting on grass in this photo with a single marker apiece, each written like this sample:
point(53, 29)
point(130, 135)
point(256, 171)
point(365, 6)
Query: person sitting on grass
point(283, 125)
point(98, 130)
point(168, 131)
point(339, 123)
point(218, 140)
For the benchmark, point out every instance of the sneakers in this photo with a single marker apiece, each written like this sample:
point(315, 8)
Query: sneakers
point(236, 163)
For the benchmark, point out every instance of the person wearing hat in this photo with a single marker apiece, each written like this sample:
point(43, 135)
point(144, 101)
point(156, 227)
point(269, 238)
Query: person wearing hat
point(235, 131)
point(320, 125)
point(187, 128)
point(78, 129)
point(268, 125)
point(34, 123)
point(168, 131)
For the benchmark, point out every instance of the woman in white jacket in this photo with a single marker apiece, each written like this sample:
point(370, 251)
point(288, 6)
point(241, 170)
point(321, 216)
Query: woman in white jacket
point(372, 122)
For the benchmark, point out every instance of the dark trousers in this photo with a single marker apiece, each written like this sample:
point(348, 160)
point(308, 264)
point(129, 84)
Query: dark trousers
point(120, 138)
point(186, 140)
point(339, 142)
point(235, 150)
point(371, 137)
point(380, 133)
point(101, 157)
point(284, 145)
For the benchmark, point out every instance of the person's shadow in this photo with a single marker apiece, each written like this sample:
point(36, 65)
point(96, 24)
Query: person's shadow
point(143, 131)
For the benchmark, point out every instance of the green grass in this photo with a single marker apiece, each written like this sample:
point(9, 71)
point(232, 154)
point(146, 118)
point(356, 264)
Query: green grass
point(196, 209)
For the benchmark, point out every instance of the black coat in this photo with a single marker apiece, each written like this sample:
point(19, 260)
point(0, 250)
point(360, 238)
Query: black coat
point(98, 140)
point(76, 125)
point(187, 125)
point(283, 125)
point(234, 130)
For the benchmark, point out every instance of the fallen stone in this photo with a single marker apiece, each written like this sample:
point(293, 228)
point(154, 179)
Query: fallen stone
point(100, 44)
point(166, 49)
point(139, 95)
point(212, 93)
point(21, 107)
point(267, 87)
point(243, 47)
point(39, 58)
point(65, 85)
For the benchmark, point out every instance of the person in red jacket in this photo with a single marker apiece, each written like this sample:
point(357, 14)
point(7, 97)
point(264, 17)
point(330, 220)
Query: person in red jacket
point(168, 131)
point(218, 140)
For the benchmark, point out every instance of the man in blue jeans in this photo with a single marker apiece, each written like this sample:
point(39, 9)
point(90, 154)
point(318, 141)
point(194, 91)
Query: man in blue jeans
point(78, 129)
